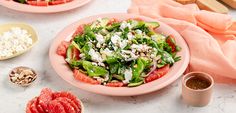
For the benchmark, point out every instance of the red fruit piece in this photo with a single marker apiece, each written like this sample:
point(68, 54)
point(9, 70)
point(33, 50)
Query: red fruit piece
point(69, 0)
point(158, 73)
point(67, 106)
point(62, 48)
point(56, 2)
point(37, 3)
point(84, 78)
point(39, 107)
point(73, 104)
point(66, 95)
point(44, 98)
point(115, 84)
point(33, 107)
point(111, 21)
point(171, 42)
point(29, 104)
point(55, 107)
point(79, 31)
point(75, 53)
point(32, 3)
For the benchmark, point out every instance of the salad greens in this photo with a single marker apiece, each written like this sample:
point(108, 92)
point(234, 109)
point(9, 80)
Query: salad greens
point(121, 51)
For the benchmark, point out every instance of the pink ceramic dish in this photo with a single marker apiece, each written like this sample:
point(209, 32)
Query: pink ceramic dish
point(63, 70)
point(43, 9)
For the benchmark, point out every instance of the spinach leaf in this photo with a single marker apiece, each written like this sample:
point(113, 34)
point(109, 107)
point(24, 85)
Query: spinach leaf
point(88, 33)
point(80, 40)
point(74, 63)
point(114, 68)
point(94, 71)
point(113, 27)
point(85, 50)
point(21, 1)
point(124, 33)
point(142, 26)
point(111, 59)
point(138, 69)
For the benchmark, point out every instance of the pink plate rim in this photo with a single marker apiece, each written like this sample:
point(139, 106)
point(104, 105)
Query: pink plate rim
point(48, 9)
point(62, 69)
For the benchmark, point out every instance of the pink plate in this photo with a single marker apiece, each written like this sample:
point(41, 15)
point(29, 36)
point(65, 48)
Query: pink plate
point(62, 69)
point(41, 9)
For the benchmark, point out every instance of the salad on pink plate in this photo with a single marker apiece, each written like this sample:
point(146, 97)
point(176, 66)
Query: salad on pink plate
point(117, 53)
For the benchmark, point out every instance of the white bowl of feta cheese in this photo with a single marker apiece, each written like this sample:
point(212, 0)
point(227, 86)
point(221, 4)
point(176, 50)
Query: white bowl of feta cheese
point(16, 39)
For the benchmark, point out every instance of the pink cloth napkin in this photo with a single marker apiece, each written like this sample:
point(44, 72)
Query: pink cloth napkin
point(210, 36)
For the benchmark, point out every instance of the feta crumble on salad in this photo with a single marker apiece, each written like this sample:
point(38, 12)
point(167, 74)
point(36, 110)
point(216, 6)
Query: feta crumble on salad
point(119, 53)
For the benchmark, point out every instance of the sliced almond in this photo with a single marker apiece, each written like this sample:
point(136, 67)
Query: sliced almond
point(22, 76)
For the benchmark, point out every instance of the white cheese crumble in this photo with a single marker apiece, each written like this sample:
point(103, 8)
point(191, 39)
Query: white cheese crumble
point(128, 75)
point(100, 38)
point(107, 52)
point(141, 47)
point(158, 37)
point(95, 56)
point(128, 55)
point(117, 41)
point(14, 41)
point(123, 44)
point(130, 36)
point(124, 24)
point(138, 31)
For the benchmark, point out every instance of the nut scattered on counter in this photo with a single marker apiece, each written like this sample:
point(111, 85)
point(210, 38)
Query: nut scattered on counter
point(22, 76)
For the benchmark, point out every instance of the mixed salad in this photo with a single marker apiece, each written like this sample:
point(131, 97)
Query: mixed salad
point(43, 2)
point(119, 53)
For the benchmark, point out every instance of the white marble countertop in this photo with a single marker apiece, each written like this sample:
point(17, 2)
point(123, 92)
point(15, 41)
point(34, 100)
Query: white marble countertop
point(13, 99)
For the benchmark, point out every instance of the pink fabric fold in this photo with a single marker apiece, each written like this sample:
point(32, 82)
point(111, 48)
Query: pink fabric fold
point(210, 36)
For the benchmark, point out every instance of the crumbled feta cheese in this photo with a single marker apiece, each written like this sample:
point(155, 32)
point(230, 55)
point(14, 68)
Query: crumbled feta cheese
point(99, 79)
point(94, 63)
point(99, 19)
point(100, 38)
point(98, 45)
point(123, 44)
point(138, 31)
point(115, 39)
point(158, 37)
point(115, 47)
point(124, 24)
point(95, 56)
point(130, 36)
point(128, 75)
point(141, 47)
point(128, 55)
point(126, 51)
point(14, 41)
point(101, 64)
point(107, 52)
point(106, 77)
point(81, 55)
point(118, 33)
